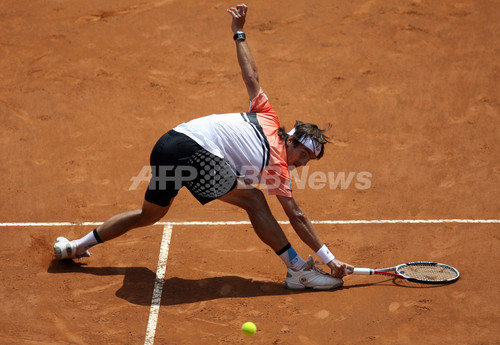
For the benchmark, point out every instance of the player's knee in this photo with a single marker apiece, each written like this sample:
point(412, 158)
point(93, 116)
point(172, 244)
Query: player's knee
point(150, 218)
point(255, 200)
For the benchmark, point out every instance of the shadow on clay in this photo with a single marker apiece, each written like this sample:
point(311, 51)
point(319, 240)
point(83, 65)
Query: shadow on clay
point(138, 285)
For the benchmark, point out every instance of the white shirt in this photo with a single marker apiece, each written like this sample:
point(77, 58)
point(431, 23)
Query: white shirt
point(228, 136)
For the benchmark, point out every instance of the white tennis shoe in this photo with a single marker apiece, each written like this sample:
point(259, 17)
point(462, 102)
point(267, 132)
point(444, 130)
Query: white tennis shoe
point(66, 249)
point(311, 277)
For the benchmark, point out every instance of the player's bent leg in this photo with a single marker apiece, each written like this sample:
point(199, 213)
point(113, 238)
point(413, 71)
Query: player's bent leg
point(254, 203)
point(267, 228)
point(116, 226)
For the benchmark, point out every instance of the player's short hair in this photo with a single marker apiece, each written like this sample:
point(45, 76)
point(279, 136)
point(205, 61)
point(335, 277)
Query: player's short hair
point(307, 129)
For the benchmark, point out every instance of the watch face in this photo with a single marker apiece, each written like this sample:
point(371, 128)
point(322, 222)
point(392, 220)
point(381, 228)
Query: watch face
point(239, 36)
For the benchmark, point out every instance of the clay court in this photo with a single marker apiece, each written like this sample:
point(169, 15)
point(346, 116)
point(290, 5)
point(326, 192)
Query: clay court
point(411, 89)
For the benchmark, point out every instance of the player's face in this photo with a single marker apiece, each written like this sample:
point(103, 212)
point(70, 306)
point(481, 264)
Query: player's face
point(298, 155)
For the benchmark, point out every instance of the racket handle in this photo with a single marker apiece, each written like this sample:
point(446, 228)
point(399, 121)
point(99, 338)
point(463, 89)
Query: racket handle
point(368, 271)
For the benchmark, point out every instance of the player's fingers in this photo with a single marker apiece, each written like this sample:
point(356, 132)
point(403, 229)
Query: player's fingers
point(337, 272)
point(342, 271)
point(233, 12)
point(242, 9)
point(236, 12)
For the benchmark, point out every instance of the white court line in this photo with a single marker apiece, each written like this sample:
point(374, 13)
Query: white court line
point(332, 222)
point(158, 288)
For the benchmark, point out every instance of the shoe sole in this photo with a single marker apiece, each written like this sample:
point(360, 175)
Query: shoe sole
point(58, 251)
point(303, 287)
point(296, 286)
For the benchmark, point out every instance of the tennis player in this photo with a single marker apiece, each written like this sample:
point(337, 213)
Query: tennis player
point(220, 157)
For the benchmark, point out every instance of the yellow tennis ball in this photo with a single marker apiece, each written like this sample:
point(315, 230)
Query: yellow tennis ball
point(249, 328)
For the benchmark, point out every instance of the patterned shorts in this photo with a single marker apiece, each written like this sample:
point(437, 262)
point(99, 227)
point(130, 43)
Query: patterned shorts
point(178, 161)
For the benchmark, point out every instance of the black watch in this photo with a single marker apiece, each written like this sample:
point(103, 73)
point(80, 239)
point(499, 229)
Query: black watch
point(239, 36)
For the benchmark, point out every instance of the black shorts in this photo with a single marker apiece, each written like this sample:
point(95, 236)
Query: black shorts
point(178, 161)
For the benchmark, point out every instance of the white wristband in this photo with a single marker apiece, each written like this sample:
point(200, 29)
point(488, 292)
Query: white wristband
point(325, 254)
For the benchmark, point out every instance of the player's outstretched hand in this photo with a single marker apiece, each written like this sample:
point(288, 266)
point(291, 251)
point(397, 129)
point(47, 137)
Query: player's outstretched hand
point(239, 14)
point(340, 269)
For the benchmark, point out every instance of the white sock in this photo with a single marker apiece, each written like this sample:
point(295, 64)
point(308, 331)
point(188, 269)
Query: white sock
point(87, 241)
point(290, 257)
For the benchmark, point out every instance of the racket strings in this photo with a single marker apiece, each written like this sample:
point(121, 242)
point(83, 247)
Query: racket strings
point(428, 272)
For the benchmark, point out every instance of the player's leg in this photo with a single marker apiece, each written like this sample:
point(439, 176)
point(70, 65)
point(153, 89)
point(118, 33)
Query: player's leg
point(265, 225)
point(300, 275)
point(168, 152)
point(123, 222)
point(254, 203)
point(112, 228)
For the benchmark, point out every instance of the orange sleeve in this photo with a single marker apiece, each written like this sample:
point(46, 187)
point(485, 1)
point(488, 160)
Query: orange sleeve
point(278, 180)
point(276, 175)
point(260, 104)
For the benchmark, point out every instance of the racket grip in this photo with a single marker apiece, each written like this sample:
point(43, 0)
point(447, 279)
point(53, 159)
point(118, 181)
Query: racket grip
point(368, 271)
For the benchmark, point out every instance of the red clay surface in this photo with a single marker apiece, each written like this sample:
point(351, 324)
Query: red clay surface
point(410, 87)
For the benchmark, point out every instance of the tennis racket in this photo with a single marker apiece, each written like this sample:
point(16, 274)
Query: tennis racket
point(417, 272)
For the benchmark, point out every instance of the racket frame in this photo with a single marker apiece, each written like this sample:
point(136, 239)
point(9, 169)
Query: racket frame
point(394, 272)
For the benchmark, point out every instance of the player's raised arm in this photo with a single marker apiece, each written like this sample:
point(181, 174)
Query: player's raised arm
point(245, 59)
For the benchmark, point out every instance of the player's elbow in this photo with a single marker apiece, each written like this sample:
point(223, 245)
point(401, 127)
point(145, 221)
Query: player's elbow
point(251, 78)
point(297, 217)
